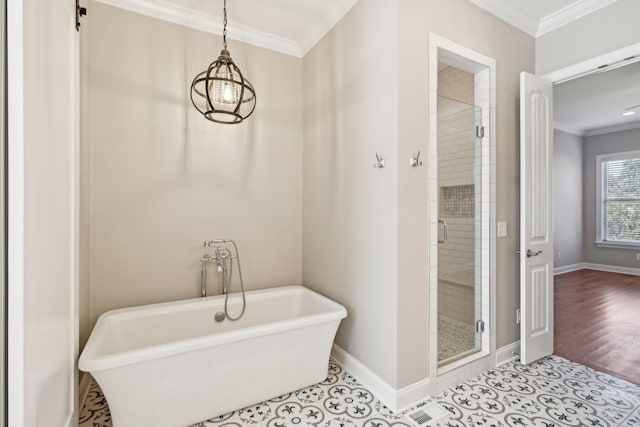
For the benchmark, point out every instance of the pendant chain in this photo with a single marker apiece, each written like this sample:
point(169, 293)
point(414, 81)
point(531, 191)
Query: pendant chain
point(224, 31)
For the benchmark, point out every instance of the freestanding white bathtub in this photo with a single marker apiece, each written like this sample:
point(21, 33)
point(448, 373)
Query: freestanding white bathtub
point(173, 365)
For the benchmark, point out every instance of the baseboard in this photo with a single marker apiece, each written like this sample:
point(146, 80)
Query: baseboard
point(72, 420)
point(395, 400)
point(507, 353)
point(599, 267)
point(568, 268)
point(412, 394)
point(83, 389)
point(612, 268)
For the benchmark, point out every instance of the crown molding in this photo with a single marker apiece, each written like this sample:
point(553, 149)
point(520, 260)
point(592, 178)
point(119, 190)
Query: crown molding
point(511, 14)
point(598, 131)
point(567, 129)
point(508, 12)
point(332, 18)
point(612, 129)
point(570, 13)
point(170, 12)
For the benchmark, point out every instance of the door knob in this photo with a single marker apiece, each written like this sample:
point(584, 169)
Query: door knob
point(530, 253)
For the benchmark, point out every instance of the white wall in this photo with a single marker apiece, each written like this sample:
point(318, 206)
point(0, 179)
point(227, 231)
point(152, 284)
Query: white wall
point(349, 207)
point(42, 196)
point(159, 179)
point(616, 142)
point(611, 28)
point(568, 221)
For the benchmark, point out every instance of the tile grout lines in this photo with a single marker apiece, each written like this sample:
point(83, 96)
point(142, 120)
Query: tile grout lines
point(550, 392)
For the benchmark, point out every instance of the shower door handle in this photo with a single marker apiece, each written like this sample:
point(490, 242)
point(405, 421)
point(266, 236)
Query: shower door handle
point(444, 233)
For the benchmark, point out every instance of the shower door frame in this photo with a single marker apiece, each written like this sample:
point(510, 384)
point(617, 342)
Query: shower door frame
point(484, 70)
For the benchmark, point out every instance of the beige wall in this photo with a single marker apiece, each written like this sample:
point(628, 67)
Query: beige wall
point(365, 230)
point(159, 179)
point(349, 207)
point(611, 28)
point(466, 24)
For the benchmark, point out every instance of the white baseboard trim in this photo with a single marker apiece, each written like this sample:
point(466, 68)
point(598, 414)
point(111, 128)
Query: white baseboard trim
point(507, 353)
point(612, 268)
point(412, 394)
point(396, 400)
point(83, 389)
point(568, 268)
point(599, 267)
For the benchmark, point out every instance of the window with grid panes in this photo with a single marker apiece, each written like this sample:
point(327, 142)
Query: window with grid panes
point(619, 201)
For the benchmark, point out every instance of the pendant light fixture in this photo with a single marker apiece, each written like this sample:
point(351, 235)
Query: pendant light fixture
point(221, 93)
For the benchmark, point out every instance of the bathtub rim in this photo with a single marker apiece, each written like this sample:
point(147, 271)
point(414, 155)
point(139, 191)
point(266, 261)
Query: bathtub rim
point(90, 362)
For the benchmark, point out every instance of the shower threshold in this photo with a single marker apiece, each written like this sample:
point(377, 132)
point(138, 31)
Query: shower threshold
point(457, 357)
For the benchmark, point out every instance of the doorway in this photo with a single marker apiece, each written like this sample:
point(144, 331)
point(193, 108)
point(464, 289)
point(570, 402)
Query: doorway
point(461, 211)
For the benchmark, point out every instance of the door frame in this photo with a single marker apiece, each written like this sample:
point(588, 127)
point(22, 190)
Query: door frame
point(20, 389)
point(443, 378)
point(582, 69)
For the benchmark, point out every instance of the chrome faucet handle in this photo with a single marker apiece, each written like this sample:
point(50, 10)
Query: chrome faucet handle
point(209, 243)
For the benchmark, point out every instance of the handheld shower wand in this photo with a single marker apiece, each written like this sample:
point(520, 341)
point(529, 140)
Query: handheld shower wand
point(224, 259)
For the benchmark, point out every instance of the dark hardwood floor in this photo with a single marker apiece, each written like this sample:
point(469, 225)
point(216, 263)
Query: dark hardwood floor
point(597, 321)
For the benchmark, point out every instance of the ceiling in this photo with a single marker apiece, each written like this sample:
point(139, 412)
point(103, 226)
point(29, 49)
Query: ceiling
point(293, 27)
point(594, 104)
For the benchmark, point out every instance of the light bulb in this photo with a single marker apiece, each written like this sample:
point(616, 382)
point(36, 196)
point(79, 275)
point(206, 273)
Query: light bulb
point(227, 94)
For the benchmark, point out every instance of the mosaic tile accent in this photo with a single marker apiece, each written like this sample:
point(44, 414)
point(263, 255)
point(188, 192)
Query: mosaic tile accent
point(551, 392)
point(454, 338)
point(457, 201)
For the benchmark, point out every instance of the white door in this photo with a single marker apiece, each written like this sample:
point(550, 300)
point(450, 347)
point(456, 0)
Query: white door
point(536, 218)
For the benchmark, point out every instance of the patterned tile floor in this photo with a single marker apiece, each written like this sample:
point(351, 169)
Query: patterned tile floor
point(551, 392)
point(454, 338)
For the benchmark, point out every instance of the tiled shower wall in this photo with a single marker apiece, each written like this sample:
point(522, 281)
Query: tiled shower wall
point(456, 84)
point(456, 160)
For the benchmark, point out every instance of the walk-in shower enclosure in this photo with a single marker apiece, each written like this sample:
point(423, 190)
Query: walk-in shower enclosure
point(461, 212)
point(459, 181)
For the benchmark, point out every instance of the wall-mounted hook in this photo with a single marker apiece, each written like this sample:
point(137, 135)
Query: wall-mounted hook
point(379, 161)
point(414, 160)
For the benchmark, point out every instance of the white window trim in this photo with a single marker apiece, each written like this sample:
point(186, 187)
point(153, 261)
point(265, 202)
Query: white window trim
point(600, 242)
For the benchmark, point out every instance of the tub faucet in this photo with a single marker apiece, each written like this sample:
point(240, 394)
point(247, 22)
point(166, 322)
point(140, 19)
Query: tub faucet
point(203, 274)
point(226, 251)
point(222, 257)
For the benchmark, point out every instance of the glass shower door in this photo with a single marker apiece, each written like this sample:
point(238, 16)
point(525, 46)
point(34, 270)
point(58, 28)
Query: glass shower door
point(459, 235)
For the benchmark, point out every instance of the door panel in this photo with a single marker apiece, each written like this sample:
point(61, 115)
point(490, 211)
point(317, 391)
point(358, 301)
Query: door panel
point(536, 218)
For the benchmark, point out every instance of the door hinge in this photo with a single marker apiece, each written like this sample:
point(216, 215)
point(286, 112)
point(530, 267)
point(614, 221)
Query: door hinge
point(480, 326)
point(480, 131)
point(518, 316)
point(80, 11)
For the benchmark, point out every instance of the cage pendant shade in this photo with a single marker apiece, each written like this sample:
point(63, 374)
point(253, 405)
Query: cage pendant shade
point(221, 93)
